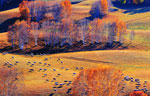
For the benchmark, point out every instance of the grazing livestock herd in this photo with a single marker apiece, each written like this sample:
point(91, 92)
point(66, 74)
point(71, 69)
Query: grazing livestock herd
point(46, 67)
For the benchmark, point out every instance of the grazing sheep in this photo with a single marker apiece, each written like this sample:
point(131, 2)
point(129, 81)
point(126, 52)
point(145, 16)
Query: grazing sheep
point(62, 84)
point(56, 83)
point(58, 74)
point(81, 68)
point(58, 59)
point(54, 78)
point(44, 70)
point(74, 73)
point(65, 81)
point(127, 78)
point(137, 87)
point(137, 80)
point(45, 64)
point(40, 69)
point(145, 81)
point(49, 64)
point(28, 63)
point(68, 91)
point(46, 59)
point(32, 65)
point(12, 57)
point(47, 80)
point(31, 70)
point(40, 62)
point(44, 75)
point(67, 69)
point(17, 61)
point(77, 68)
point(34, 62)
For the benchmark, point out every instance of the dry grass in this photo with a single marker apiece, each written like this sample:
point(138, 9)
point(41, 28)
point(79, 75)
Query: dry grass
point(133, 63)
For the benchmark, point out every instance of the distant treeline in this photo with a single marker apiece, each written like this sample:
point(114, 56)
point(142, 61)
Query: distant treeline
point(134, 1)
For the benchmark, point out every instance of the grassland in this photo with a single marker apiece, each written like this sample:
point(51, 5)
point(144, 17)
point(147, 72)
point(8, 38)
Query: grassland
point(132, 63)
point(135, 63)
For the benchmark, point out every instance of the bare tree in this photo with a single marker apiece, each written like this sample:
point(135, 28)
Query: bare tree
point(35, 31)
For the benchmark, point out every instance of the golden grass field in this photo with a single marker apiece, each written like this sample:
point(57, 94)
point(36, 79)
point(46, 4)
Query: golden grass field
point(135, 63)
point(132, 63)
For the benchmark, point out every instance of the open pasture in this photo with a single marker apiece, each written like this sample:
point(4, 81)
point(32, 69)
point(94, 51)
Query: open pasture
point(42, 73)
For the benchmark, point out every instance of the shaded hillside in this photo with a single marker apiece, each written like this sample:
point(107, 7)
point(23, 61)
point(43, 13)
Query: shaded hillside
point(9, 4)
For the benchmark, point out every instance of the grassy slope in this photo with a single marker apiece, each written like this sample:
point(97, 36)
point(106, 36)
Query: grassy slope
point(133, 63)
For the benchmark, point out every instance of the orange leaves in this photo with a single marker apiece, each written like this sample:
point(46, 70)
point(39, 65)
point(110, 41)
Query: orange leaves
point(67, 8)
point(24, 11)
point(9, 81)
point(100, 81)
point(138, 93)
point(104, 6)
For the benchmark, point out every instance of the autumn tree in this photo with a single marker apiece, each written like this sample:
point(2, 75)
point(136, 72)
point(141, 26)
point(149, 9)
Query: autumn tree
point(138, 93)
point(35, 31)
point(24, 11)
point(132, 35)
point(19, 33)
point(83, 30)
point(33, 9)
point(66, 9)
point(120, 29)
point(10, 82)
point(99, 9)
point(100, 81)
point(97, 30)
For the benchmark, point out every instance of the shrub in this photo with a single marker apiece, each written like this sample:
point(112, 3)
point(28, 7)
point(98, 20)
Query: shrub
point(9, 82)
point(138, 93)
point(101, 81)
point(99, 9)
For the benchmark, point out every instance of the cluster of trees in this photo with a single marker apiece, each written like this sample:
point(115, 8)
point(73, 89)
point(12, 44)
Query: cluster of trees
point(56, 33)
point(100, 8)
point(38, 10)
point(134, 1)
point(101, 81)
point(53, 25)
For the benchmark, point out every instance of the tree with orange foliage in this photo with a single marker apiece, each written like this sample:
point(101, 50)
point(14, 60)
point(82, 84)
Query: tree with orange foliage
point(35, 31)
point(120, 28)
point(99, 9)
point(10, 82)
point(21, 33)
point(66, 8)
point(24, 11)
point(97, 30)
point(104, 7)
point(138, 93)
point(100, 81)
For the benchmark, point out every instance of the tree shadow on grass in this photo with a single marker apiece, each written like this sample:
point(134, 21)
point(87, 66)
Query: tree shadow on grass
point(132, 8)
point(4, 25)
point(10, 5)
point(76, 47)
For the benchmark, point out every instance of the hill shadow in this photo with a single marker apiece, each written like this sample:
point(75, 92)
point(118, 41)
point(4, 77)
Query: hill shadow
point(10, 5)
point(4, 25)
point(76, 47)
point(132, 8)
